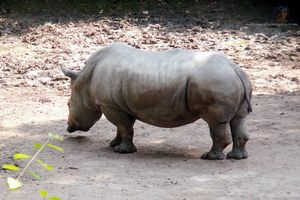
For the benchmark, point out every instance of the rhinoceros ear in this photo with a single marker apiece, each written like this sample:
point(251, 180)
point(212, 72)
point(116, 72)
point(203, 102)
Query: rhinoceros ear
point(69, 73)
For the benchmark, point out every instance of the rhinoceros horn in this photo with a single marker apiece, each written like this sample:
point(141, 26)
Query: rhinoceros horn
point(69, 73)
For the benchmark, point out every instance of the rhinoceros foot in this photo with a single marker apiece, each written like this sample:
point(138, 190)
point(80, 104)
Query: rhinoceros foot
point(213, 155)
point(125, 147)
point(237, 154)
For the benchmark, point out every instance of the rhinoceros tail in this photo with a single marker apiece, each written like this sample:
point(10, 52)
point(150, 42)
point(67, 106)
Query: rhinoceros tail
point(246, 85)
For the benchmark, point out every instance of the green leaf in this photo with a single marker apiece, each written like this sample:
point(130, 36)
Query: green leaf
point(55, 136)
point(37, 145)
point(34, 174)
point(10, 167)
point(54, 198)
point(56, 147)
point(13, 184)
point(45, 165)
point(21, 156)
point(43, 193)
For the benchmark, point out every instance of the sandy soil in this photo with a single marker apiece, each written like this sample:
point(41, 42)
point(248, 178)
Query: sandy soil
point(167, 164)
point(33, 97)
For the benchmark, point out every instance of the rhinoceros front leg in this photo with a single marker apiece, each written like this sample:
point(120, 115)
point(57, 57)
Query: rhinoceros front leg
point(123, 142)
point(126, 145)
point(116, 141)
point(221, 137)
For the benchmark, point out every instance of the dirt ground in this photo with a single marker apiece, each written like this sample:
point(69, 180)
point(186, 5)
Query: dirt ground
point(34, 94)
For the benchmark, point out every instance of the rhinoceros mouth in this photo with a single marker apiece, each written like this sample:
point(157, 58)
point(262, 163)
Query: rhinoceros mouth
point(72, 129)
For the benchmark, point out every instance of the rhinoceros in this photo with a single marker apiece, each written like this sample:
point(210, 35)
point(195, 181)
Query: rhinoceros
point(165, 89)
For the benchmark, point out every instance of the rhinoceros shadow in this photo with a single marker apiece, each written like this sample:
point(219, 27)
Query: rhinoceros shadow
point(185, 142)
point(152, 142)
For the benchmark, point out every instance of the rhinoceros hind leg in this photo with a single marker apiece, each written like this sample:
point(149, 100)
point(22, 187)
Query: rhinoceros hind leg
point(240, 137)
point(221, 139)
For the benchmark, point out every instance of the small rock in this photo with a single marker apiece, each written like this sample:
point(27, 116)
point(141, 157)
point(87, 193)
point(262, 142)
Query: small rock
point(145, 12)
point(32, 74)
point(247, 48)
point(44, 100)
point(156, 19)
point(45, 80)
point(296, 67)
point(245, 37)
point(6, 69)
point(59, 78)
point(296, 80)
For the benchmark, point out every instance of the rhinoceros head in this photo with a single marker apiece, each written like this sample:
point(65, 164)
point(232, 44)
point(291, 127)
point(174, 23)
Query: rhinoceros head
point(80, 116)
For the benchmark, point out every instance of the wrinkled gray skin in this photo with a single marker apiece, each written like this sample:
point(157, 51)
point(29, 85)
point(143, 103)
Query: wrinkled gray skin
point(165, 89)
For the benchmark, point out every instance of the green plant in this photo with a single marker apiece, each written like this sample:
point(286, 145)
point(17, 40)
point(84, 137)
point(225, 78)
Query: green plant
point(15, 183)
point(44, 194)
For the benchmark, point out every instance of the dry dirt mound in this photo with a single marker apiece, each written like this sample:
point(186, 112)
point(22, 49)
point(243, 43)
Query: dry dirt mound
point(33, 48)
